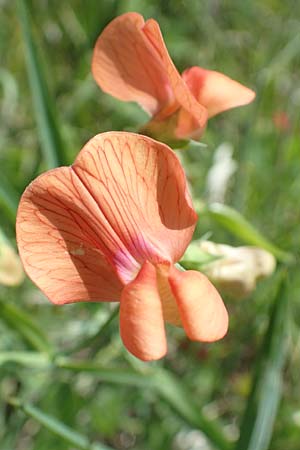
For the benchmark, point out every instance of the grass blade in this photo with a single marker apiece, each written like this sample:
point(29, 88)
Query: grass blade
point(261, 410)
point(9, 199)
point(93, 339)
point(236, 223)
point(128, 377)
point(57, 427)
point(174, 392)
point(27, 328)
point(167, 387)
point(51, 142)
point(25, 359)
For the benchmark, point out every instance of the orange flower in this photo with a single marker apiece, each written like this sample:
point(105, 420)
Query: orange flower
point(110, 228)
point(132, 63)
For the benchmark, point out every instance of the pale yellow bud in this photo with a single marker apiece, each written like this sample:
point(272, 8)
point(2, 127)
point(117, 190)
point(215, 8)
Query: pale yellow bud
point(238, 269)
point(11, 271)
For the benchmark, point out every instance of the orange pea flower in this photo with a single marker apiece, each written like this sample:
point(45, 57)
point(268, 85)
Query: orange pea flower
point(132, 63)
point(110, 228)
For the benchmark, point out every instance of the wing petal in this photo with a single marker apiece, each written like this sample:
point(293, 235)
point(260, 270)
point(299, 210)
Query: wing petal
point(202, 311)
point(216, 91)
point(182, 94)
point(141, 317)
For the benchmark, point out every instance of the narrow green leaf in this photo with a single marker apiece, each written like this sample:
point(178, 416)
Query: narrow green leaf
point(195, 258)
point(174, 392)
point(25, 326)
point(262, 405)
point(117, 376)
point(51, 142)
point(94, 338)
point(9, 199)
point(160, 381)
point(25, 359)
point(236, 223)
point(57, 427)
point(166, 386)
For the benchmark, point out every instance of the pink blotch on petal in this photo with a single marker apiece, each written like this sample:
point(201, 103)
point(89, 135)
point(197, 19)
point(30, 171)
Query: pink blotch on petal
point(141, 192)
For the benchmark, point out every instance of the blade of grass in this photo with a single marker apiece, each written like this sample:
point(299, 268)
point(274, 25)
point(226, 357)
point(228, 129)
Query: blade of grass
point(262, 405)
point(91, 340)
point(57, 427)
point(9, 199)
point(26, 327)
point(25, 359)
point(51, 142)
point(236, 223)
point(166, 386)
point(195, 258)
point(175, 394)
point(116, 376)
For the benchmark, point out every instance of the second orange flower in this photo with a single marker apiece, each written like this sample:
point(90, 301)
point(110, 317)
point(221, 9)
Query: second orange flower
point(132, 63)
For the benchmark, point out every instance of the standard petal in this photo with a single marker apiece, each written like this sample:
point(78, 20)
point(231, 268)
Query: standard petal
point(58, 242)
point(141, 317)
point(202, 311)
point(126, 66)
point(182, 94)
point(216, 91)
point(140, 190)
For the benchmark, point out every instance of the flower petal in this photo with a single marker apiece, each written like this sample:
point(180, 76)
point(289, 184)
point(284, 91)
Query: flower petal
point(140, 190)
point(203, 314)
point(141, 317)
point(58, 242)
point(169, 304)
point(187, 126)
point(126, 66)
point(216, 91)
point(123, 201)
point(182, 94)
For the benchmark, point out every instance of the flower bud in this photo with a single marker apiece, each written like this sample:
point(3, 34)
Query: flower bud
point(11, 272)
point(238, 269)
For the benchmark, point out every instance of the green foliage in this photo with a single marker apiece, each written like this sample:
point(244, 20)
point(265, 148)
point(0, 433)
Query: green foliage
point(57, 427)
point(263, 402)
point(65, 380)
point(51, 144)
point(234, 222)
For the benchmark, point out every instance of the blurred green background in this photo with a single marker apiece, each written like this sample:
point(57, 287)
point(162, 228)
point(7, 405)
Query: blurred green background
point(63, 370)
